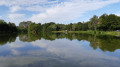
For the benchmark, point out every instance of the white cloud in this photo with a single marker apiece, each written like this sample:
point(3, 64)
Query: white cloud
point(118, 13)
point(36, 8)
point(0, 17)
point(56, 10)
point(21, 2)
point(15, 8)
point(69, 10)
point(16, 18)
point(32, 5)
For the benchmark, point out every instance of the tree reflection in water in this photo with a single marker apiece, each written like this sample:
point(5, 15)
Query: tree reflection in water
point(105, 43)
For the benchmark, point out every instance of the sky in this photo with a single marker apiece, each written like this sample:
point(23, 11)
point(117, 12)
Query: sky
point(58, 11)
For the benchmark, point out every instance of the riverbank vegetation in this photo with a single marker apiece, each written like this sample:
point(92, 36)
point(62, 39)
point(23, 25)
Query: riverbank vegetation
point(112, 33)
point(105, 24)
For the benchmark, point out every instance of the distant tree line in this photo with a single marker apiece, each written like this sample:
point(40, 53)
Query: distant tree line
point(105, 22)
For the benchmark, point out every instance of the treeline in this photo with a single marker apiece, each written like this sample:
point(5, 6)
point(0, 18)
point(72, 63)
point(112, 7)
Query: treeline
point(7, 27)
point(105, 22)
point(48, 27)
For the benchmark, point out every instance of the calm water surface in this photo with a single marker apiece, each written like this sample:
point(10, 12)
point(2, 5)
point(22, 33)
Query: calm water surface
point(59, 50)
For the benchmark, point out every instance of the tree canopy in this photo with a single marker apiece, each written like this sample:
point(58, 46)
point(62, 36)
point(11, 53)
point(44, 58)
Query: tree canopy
point(105, 22)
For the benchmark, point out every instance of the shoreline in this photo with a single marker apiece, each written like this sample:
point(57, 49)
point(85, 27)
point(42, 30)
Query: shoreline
point(112, 33)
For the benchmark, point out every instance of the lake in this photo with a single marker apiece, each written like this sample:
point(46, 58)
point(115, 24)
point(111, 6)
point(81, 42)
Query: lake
point(59, 50)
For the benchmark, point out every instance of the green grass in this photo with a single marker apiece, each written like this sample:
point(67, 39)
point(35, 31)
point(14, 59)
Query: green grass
point(112, 33)
point(58, 31)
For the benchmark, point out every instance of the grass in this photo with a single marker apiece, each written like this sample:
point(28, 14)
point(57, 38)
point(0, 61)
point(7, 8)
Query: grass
point(112, 33)
point(58, 31)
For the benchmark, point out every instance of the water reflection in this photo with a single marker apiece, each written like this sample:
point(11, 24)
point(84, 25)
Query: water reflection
point(60, 52)
point(4, 38)
point(105, 43)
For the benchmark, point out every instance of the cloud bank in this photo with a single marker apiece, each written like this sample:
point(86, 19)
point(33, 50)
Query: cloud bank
point(54, 10)
point(69, 10)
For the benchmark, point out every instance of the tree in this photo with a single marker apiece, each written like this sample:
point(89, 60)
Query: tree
point(94, 21)
point(7, 27)
point(60, 27)
point(23, 26)
point(34, 28)
point(109, 22)
point(74, 27)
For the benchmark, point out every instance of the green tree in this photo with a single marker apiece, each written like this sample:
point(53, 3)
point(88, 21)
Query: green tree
point(94, 21)
point(34, 28)
point(109, 22)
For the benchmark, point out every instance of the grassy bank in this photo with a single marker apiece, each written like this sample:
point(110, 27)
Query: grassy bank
point(112, 33)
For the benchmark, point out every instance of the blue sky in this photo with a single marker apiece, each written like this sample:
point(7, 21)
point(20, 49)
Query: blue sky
point(59, 11)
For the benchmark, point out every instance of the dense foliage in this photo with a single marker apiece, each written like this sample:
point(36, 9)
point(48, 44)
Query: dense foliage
point(103, 23)
point(7, 27)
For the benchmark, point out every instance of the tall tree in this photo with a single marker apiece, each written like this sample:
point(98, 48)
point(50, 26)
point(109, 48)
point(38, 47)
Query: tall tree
point(94, 21)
